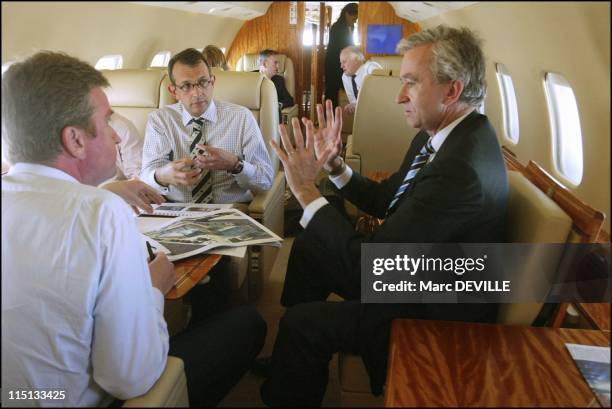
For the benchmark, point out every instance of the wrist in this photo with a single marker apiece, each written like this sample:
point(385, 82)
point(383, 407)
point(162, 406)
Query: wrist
point(307, 195)
point(238, 166)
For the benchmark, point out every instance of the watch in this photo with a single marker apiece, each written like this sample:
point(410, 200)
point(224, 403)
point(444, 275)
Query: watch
point(238, 167)
point(339, 170)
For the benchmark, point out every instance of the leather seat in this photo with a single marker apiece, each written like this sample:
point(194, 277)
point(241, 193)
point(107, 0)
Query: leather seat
point(392, 63)
point(134, 93)
point(380, 135)
point(170, 390)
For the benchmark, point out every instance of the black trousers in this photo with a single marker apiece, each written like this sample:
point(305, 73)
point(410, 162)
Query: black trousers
point(218, 351)
point(312, 329)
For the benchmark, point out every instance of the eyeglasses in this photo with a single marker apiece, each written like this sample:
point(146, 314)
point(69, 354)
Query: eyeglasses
point(202, 83)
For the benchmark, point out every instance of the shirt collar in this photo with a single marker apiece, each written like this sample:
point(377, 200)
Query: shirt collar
point(439, 138)
point(209, 115)
point(41, 170)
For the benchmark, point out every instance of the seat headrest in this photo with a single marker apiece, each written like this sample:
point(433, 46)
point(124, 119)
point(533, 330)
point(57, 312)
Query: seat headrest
point(381, 72)
point(533, 217)
point(250, 62)
point(242, 88)
point(389, 62)
point(134, 87)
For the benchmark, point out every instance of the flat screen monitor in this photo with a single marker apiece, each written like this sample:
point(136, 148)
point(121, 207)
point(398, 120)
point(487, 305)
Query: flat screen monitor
point(383, 38)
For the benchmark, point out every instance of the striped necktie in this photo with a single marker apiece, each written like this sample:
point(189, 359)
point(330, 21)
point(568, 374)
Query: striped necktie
point(202, 192)
point(419, 161)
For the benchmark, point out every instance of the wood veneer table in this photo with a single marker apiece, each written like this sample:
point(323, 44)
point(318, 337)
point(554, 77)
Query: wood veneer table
point(597, 314)
point(189, 272)
point(444, 363)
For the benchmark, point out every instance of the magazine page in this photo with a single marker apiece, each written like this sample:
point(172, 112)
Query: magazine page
point(186, 236)
point(594, 364)
point(184, 209)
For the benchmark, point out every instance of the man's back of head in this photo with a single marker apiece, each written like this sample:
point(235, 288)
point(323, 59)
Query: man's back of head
point(41, 96)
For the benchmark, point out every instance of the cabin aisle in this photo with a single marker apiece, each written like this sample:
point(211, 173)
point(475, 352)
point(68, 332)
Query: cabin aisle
point(246, 392)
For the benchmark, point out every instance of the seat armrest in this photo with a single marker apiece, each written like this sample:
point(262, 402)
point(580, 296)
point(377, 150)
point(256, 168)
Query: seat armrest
point(170, 390)
point(289, 112)
point(352, 159)
point(262, 200)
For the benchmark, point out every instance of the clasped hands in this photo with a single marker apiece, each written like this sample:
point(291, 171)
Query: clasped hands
point(186, 171)
point(321, 149)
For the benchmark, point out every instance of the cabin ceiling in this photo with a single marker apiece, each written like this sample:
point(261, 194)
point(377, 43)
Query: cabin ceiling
point(414, 11)
point(242, 10)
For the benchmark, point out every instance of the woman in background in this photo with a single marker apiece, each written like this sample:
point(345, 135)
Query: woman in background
point(340, 36)
point(215, 57)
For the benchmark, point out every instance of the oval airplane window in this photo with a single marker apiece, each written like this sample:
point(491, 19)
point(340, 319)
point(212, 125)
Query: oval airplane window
point(161, 59)
point(110, 62)
point(565, 127)
point(509, 105)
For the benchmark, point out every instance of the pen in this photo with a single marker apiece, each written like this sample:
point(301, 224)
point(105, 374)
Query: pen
point(150, 250)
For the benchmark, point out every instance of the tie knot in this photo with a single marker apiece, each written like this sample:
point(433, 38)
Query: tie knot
point(198, 122)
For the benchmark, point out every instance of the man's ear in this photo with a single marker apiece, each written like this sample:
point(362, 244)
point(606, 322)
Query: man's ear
point(73, 141)
point(454, 91)
point(172, 91)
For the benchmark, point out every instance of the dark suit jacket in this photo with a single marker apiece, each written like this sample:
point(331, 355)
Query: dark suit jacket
point(284, 97)
point(460, 196)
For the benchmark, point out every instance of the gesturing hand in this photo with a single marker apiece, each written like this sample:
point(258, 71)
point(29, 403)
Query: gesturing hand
point(215, 158)
point(328, 135)
point(136, 193)
point(178, 173)
point(301, 166)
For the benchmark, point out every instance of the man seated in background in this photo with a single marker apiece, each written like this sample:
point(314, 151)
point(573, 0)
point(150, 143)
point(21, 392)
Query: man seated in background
point(82, 308)
point(268, 66)
point(355, 69)
point(202, 150)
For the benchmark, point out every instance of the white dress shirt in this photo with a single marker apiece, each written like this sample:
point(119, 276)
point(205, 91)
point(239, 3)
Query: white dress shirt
point(227, 126)
point(365, 69)
point(129, 150)
point(342, 179)
point(79, 313)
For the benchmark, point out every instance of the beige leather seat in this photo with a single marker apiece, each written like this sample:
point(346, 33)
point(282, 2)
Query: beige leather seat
point(134, 93)
point(258, 94)
point(250, 62)
point(170, 390)
point(532, 218)
point(392, 63)
point(380, 136)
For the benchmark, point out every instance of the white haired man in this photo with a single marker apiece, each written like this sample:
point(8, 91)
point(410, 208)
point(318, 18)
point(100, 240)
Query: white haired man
point(355, 69)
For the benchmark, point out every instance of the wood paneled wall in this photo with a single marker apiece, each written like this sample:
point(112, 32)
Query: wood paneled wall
point(380, 12)
point(272, 30)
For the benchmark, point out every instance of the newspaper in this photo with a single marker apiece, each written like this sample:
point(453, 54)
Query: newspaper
point(185, 209)
point(185, 236)
point(594, 364)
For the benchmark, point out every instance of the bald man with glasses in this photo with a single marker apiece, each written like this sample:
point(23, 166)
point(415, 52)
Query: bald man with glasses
point(203, 150)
